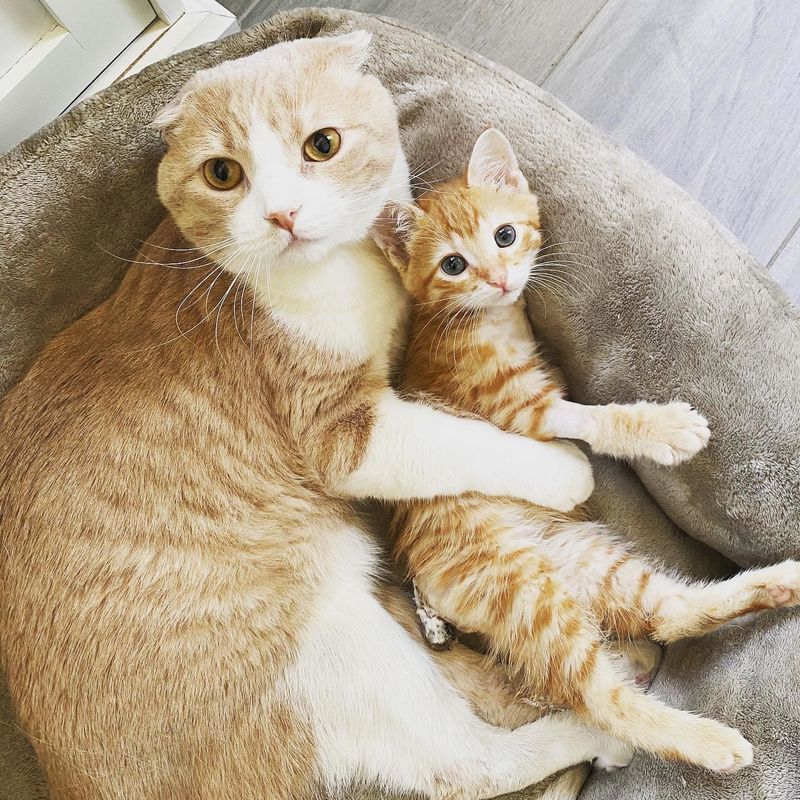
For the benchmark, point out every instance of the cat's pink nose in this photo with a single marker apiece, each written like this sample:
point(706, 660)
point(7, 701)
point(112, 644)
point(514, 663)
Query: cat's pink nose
point(283, 219)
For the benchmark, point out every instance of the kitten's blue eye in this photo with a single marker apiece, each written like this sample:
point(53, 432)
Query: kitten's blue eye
point(505, 235)
point(453, 265)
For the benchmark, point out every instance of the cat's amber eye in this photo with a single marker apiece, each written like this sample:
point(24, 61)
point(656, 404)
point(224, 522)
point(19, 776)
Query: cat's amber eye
point(322, 145)
point(222, 173)
point(505, 236)
point(453, 265)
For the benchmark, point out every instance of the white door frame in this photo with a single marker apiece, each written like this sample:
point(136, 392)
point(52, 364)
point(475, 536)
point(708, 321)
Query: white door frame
point(94, 43)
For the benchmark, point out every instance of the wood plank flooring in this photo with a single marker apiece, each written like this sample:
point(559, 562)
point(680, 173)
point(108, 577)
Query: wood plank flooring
point(708, 91)
point(531, 47)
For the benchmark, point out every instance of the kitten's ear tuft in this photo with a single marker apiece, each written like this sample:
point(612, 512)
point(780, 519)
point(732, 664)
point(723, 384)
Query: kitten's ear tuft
point(392, 232)
point(351, 48)
point(493, 163)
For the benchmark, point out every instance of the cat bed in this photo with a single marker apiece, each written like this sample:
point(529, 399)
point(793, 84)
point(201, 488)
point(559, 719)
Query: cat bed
point(653, 300)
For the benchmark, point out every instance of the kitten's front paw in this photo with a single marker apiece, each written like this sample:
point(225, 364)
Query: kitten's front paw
point(669, 434)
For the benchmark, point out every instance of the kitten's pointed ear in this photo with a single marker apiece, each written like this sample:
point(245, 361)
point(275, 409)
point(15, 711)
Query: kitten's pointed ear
point(351, 49)
point(392, 232)
point(493, 163)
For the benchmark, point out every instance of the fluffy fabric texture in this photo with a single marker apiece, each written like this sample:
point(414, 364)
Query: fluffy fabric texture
point(673, 307)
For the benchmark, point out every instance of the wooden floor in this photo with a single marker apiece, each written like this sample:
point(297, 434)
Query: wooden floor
point(706, 90)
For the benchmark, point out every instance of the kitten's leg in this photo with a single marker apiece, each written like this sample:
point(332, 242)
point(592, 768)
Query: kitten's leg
point(667, 434)
point(498, 583)
point(487, 687)
point(633, 599)
point(646, 602)
point(566, 786)
point(383, 711)
point(415, 451)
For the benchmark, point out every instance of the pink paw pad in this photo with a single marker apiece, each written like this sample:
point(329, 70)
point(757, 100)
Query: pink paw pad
point(780, 595)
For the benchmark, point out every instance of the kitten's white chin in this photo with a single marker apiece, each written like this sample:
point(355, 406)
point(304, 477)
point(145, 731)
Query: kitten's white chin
point(500, 301)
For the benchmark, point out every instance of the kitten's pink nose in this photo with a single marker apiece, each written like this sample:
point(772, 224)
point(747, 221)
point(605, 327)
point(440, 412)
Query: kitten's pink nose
point(283, 219)
point(499, 284)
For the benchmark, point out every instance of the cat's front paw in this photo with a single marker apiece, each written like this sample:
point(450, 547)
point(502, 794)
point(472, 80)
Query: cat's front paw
point(567, 479)
point(669, 434)
point(613, 755)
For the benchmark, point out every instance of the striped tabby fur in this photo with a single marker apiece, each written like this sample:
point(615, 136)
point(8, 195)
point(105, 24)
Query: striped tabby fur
point(547, 590)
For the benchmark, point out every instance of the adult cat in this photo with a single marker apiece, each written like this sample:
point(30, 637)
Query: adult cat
point(188, 606)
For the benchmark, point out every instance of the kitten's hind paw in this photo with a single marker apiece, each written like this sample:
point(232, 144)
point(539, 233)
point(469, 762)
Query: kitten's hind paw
point(778, 585)
point(725, 750)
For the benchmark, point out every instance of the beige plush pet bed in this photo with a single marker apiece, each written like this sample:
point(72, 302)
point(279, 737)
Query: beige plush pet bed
point(674, 307)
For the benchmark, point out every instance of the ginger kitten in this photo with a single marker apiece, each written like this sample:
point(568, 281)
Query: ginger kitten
point(546, 590)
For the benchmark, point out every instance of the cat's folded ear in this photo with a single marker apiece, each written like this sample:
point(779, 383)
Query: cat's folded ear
point(167, 118)
point(348, 49)
point(392, 232)
point(493, 163)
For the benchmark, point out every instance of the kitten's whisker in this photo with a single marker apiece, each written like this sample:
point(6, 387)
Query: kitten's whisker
point(453, 304)
point(450, 304)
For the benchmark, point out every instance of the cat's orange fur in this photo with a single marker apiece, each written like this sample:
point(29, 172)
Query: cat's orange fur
point(188, 603)
point(545, 589)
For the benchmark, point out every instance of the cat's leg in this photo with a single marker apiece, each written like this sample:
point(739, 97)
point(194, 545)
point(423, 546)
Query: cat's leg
point(398, 450)
point(489, 691)
point(667, 434)
point(487, 687)
point(383, 712)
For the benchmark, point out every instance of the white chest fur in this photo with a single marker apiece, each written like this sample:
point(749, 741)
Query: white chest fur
point(350, 303)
